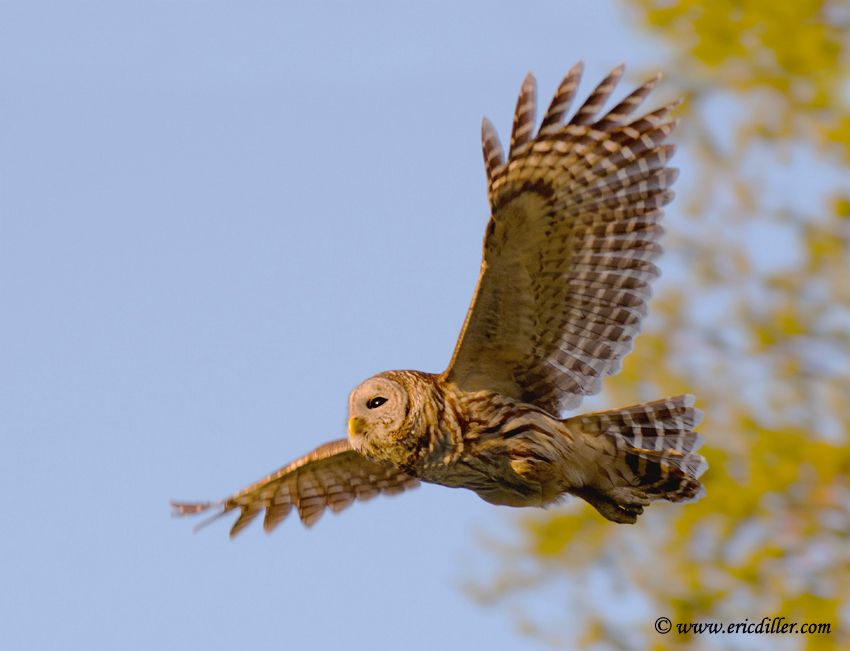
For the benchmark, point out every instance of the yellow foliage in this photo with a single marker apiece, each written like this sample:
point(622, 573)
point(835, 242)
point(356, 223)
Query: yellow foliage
point(789, 46)
point(839, 133)
point(841, 206)
point(825, 246)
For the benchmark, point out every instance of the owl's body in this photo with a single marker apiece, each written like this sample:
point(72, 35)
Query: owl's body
point(515, 454)
point(565, 280)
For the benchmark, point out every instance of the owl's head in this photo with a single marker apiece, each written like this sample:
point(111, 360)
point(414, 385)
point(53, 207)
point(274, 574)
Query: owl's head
point(377, 413)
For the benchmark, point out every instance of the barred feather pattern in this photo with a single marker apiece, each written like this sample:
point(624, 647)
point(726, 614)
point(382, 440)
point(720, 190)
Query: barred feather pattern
point(516, 454)
point(331, 477)
point(565, 280)
point(569, 249)
point(656, 445)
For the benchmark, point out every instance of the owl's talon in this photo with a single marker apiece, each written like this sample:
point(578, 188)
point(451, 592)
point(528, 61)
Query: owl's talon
point(619, 505)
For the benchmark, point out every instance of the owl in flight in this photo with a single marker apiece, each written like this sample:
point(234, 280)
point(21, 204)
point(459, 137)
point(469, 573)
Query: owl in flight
point(565, 279)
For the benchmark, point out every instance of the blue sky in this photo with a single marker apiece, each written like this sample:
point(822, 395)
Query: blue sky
point(216, 218)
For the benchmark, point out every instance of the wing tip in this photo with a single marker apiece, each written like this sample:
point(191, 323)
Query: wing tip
point(182, 509)
point(650, 84)
point(189, 509)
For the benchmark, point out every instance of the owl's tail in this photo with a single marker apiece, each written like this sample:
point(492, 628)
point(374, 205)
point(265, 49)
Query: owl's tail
point(656, 444)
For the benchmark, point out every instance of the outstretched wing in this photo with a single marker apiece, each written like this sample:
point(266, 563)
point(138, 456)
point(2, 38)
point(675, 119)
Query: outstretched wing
point(568, 250)
point(331, 476)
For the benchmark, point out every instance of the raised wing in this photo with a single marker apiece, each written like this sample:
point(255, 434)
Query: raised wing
point(568, 251)
point(331, 476)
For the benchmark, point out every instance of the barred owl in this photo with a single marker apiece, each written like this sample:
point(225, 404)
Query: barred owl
point(565, 279)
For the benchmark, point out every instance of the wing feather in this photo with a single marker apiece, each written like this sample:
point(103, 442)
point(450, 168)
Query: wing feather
point(562, 100)
point(524, 116)
point(628, 104)
point(598, 97)
point(331, 476)
point(570, 247)
point(491, 147)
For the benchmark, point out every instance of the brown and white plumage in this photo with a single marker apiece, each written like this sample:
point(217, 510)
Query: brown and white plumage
point(565, 279)
point(331, 477)
point(568, 251)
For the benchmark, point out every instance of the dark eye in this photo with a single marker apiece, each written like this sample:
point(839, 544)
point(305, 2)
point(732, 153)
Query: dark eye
point(375, 402)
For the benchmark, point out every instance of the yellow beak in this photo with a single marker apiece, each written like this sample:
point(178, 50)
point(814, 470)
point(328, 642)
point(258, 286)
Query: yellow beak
point(356, 426)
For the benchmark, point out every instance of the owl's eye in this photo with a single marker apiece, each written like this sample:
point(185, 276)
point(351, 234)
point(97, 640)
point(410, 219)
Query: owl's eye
point(375, 402)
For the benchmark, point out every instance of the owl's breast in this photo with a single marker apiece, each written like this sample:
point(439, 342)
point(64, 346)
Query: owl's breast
point(493, 479)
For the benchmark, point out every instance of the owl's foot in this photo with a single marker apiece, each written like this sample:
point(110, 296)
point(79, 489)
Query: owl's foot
point(622, 505)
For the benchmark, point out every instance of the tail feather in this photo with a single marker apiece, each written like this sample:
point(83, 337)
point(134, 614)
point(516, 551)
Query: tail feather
point(657, 444)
